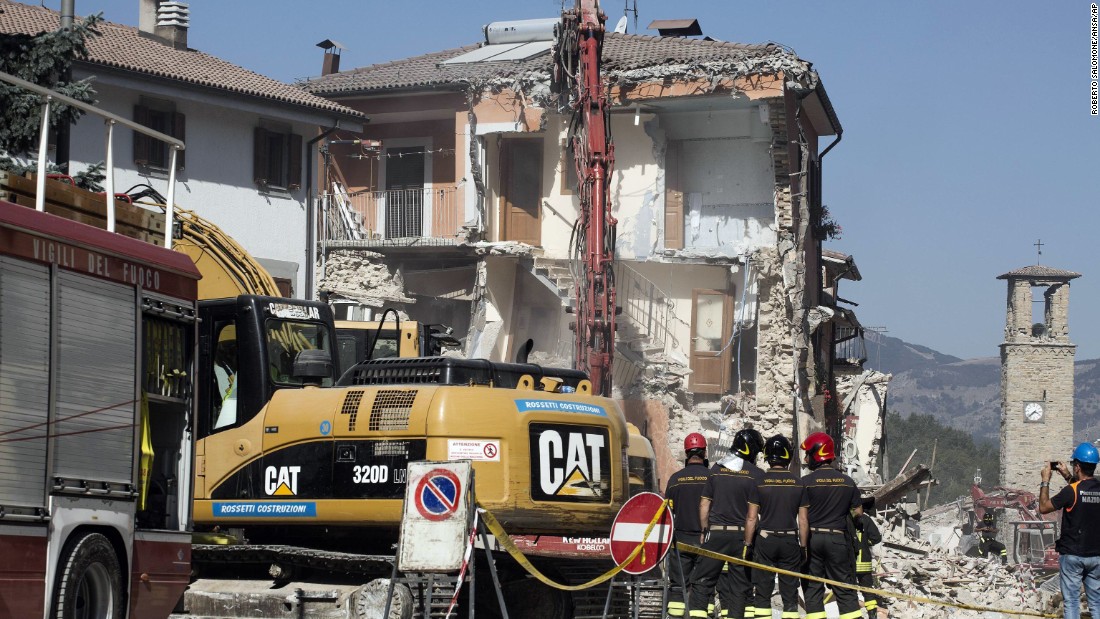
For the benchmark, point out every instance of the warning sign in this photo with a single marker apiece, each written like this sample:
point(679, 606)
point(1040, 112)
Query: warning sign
point(472, 449)
point(436, 517)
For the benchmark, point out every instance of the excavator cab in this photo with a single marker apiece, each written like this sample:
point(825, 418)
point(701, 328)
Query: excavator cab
point(363, 340)
point(248, 346)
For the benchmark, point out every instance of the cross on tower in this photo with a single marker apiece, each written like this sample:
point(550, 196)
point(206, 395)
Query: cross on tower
point(1039, 245)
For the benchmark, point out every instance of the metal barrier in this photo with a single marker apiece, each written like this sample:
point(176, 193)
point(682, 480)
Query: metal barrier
point(110, 120)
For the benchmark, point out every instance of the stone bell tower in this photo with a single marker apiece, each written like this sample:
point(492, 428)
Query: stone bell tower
point(1036, 374)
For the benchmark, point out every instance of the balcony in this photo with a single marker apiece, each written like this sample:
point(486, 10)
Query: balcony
point(396, 217)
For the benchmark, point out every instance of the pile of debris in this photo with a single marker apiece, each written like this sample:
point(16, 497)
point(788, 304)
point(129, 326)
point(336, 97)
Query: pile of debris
point(917, 567)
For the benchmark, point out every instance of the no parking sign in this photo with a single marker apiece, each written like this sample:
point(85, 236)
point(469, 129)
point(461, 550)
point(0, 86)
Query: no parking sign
point(436, 517)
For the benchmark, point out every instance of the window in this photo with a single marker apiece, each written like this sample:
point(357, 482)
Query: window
point(162, 116)
point(287, 338)
point(277, 157)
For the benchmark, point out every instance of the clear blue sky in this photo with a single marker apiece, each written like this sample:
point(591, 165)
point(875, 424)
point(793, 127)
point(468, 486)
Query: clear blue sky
point(967, 129)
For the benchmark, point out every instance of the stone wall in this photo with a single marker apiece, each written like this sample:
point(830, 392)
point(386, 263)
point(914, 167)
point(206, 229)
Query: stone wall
point(1035, 372)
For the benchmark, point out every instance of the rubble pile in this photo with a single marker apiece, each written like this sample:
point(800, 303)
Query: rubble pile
point(919, 568)
point(362, 276)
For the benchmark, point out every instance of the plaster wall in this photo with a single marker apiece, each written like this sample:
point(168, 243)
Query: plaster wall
point(500, 287)
point(678, 281)
point(217, 182)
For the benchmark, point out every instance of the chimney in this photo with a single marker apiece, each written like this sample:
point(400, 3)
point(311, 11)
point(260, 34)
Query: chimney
point(331, 63)
point(676, 27)
point(166, 21)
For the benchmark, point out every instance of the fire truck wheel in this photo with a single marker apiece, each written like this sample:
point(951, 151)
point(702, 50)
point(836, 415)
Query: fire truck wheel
point(90, 585)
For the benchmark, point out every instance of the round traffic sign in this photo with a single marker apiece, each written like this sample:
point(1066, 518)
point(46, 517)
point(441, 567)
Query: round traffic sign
point(437, 494)
point(629, 528)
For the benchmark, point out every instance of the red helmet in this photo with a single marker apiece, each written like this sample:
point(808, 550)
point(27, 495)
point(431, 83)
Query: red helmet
point(819, 447)
point(694, 441)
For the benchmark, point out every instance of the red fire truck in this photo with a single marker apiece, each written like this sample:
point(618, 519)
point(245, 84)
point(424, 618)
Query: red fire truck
point(97, 349)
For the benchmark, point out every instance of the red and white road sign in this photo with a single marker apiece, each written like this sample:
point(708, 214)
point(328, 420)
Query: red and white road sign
point(629, 527)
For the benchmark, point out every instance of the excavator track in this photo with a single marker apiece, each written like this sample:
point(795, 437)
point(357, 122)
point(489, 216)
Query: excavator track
point(292, 557)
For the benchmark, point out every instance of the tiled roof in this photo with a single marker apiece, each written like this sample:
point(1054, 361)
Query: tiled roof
point(626, 58)
point(1039, 271)
point(123, 47)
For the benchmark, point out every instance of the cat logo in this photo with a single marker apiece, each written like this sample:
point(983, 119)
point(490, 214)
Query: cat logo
point(570, 463)
point(281, 480)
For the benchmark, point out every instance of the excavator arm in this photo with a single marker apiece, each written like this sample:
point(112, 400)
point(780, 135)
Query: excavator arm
point(578, 81)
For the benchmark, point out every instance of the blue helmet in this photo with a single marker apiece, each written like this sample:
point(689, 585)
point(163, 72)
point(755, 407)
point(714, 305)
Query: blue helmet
point(1086, 453)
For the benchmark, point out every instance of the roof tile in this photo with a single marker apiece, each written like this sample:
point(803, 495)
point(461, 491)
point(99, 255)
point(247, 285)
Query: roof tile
point(1039, 271)
point(626, 58)
point(123, 47)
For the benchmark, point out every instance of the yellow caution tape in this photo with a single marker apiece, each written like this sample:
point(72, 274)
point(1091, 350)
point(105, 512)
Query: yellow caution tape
point(505, 540)
point(833, 583)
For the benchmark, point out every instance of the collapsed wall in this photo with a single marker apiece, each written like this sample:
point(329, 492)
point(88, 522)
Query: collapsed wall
point(364, 277)
point(920, 568)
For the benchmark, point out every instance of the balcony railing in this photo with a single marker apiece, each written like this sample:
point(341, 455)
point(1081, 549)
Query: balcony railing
point(849, 347)
point(430, 215)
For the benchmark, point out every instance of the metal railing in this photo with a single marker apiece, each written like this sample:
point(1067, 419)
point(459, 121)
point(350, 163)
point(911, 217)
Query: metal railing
point(849, 347)
point(646, 309)
point(422, 213)
point(174, 146)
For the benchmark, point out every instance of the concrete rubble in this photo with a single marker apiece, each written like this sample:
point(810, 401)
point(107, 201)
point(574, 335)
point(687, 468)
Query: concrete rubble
point(363, 277)
point(920, 568)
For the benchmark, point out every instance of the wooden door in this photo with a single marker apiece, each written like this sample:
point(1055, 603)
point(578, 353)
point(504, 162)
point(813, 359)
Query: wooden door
point(711, 327)
point(674, 197)
point(521, 191)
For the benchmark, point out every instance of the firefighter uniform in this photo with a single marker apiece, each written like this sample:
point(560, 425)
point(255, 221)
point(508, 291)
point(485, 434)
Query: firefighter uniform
point(781, 495)
point(831, 495)
point(726, 581)
point(729, 493)
point(987, 542)
point(867, 535)
point(683, 491)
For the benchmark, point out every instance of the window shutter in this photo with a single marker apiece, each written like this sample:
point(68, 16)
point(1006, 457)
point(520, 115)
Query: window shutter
point(143, 144)
point(259, 156)
point(179, 131)
point(674, 198)
point(294, 161)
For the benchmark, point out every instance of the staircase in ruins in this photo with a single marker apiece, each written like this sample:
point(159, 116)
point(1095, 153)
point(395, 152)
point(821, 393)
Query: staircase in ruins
point(643, 324)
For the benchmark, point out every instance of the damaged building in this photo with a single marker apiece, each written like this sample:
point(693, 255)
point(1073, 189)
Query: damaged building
point(457, 206)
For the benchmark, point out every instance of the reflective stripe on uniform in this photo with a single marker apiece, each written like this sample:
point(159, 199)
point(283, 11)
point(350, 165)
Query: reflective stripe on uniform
point(855, 614)
point(863, 566)
point(676, 609)
point(763, 612)
point(750, 612)
point(871, 604)
point(698, 613)
point(790, 615)
point(817, 615)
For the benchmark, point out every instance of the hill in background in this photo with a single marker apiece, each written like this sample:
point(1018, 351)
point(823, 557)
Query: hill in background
point(966, 393)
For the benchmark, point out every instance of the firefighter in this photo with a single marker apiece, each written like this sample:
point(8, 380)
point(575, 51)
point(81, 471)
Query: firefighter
point(723, 513)
point(832, 498)
point(783, 530)
point(747, 446)
point(683, 492)
point(867, 535)
point(987, 543)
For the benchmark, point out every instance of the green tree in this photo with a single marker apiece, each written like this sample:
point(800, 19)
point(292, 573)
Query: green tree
point(44, 59)
point(958, 455)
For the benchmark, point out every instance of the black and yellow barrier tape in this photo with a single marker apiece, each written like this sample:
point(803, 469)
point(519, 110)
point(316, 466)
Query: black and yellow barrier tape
point(882, 592)
point(506, 542)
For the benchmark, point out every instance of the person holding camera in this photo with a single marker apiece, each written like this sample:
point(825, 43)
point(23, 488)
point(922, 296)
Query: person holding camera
point(1079, 541)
